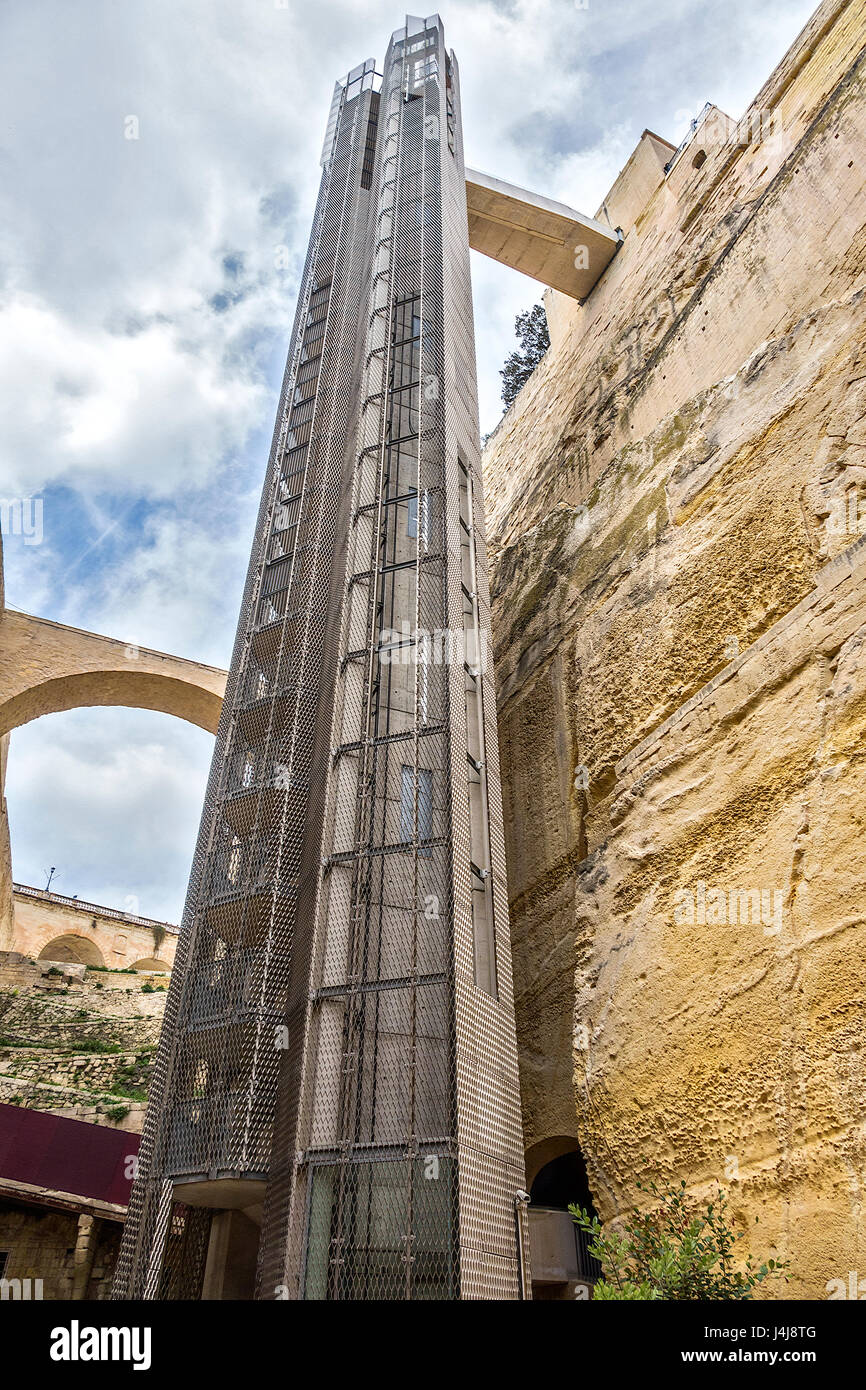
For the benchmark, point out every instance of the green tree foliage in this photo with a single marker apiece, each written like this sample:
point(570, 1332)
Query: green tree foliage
point(673, 1251)
point(531, 330)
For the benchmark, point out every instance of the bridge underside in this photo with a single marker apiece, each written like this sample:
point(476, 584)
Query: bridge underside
point(543, 239)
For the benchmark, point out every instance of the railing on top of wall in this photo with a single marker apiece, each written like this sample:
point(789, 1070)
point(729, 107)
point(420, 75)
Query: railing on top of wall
point(95, 908)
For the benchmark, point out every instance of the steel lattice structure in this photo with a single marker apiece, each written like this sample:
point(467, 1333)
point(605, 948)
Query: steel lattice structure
point(338, 1063)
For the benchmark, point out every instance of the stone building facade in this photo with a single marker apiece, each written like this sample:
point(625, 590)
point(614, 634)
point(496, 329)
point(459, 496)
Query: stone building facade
point(679, 611)
point(40, 1243)
point(51, 926)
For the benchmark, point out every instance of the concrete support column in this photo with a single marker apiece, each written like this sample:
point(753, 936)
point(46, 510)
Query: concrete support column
point(85, 1250)
point(230, 1271)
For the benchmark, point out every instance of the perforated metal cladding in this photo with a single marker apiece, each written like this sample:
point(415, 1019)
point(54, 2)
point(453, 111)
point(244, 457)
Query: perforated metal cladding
point(490, 1141)
point(185, 1255)
point(214, 1092)
point(343, 1028)
point(386, 1086)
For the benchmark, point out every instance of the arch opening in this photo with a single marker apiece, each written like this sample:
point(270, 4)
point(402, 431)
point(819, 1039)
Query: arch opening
point(563, 1181)
point(72, 949)
point(77, 670)
point(110, 796)
point(562, 1267)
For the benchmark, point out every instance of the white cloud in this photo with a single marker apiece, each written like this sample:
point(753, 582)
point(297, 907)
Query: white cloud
point(148, 414)
point(196, 612)
point(112, 799)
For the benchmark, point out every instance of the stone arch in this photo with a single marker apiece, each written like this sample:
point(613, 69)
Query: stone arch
point(48, 667)
point(563, 1179)
point(544, 1151)
point(72, 948)
point(129, 689)
point(124, 941)
point(562, 1267)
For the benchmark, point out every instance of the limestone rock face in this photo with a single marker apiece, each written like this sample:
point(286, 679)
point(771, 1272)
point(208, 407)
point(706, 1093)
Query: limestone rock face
point(675, 508)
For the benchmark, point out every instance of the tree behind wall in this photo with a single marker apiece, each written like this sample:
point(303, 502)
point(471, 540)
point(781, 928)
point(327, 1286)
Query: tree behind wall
point(531, 329)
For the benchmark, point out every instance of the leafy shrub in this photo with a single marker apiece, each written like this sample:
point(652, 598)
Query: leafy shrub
point(675, 1250)
point(116, 1113)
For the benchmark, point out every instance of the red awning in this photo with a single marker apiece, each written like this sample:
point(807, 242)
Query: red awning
point(63, 1155)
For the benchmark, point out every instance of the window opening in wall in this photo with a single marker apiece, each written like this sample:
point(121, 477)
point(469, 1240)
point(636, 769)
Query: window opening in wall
point(425, 806)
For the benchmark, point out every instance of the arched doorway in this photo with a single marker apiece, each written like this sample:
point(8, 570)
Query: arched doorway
point(562, 1267)
point(563, 1181)
point(113, 798)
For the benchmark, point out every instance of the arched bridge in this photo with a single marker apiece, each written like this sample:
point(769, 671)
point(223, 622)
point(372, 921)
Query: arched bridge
point(46, 667)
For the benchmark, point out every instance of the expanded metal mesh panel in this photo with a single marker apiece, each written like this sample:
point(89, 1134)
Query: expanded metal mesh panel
point(341, 1022)
point(185, 1255)
point(212, 1109)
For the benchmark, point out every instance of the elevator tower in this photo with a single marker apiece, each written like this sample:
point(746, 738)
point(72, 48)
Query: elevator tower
point(335, 1110)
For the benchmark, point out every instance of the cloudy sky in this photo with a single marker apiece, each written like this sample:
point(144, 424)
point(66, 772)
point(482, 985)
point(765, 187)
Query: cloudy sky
point(144, 319)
